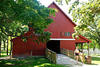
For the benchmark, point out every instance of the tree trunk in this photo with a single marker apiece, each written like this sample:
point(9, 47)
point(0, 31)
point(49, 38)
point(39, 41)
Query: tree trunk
point(4, 45)
point(0, 47)
point(11, 47)
point(7, 46)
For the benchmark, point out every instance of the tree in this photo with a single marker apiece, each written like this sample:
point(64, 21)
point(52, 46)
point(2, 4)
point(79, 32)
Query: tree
point(0, 47)
point(17, 16)
point(87, 15)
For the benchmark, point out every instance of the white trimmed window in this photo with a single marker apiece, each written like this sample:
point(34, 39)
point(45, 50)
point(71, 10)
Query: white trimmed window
point(67, 34)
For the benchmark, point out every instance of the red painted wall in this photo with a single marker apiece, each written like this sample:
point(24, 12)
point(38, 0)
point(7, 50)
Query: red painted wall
point(67, 44)
point(61, 24)
point(28, 48)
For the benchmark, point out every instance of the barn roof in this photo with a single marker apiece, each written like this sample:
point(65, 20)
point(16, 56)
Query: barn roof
point(62, 12)
point(82, 39)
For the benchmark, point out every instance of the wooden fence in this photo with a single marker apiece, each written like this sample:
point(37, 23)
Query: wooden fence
point(69, 53)
point(51, 55)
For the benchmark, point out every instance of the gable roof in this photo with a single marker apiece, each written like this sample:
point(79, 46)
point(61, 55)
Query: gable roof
point(82, 39)
point(85, 38)
point(62, 12)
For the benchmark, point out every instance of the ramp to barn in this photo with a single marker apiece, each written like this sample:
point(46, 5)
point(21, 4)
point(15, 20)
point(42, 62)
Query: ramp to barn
point(63, 59)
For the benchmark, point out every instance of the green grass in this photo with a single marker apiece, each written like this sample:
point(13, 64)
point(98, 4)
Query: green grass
point(3, 54)
point(96, 60)
point(29, 62)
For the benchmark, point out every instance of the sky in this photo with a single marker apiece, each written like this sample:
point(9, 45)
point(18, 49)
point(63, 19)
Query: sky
point(64, 7)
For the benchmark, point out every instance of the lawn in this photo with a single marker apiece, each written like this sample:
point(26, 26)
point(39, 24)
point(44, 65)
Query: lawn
point(28, 62)
point(95, 59)
point(3, 54)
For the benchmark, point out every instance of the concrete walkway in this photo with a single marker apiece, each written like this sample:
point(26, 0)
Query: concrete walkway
point(65, 60)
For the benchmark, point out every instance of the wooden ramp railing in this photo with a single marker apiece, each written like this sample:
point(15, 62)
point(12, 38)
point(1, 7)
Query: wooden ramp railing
point(51, 55)
point(69, 53)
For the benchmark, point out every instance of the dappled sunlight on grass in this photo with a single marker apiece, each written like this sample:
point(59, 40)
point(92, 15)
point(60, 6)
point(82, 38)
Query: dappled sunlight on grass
point(3, 55)
point(96, 60)
point(43, 65)
point(0, 61)
point(28, 62)
point(8, 63)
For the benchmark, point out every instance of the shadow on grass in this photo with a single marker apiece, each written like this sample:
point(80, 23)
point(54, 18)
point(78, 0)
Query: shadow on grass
point(96, 58)
point(28, 62)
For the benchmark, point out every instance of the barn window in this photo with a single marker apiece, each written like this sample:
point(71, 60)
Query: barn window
point(60, 33)
point(67, 33)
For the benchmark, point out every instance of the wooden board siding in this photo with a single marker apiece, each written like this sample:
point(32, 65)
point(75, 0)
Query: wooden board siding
point(70, 45)
point(27, 48)
point(60, 25)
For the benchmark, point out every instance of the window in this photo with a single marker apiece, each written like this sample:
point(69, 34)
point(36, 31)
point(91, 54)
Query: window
point(67, 33)
point(61, 34)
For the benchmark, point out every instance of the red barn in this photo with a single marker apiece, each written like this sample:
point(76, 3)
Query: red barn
point(61, 37)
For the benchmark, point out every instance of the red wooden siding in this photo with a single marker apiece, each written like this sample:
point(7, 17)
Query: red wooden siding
point(67, 44)
point(60, 25)
point(28, 48)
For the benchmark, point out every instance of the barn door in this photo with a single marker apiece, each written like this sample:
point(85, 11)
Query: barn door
point(54, 45)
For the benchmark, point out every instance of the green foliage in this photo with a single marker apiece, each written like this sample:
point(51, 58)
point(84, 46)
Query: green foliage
point(16, 16)
point(87, 15)
point(60, 1)
point(24, 39)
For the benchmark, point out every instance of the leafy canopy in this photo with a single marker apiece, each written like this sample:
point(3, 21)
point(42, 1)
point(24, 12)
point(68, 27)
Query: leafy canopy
point(87, 15)
point(16, 16)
